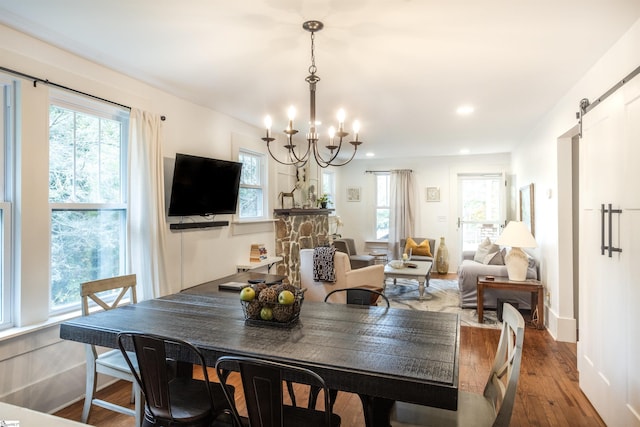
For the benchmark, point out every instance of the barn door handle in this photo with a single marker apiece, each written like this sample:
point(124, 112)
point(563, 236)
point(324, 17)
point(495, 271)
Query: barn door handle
point(610, 211)
point(602, 246)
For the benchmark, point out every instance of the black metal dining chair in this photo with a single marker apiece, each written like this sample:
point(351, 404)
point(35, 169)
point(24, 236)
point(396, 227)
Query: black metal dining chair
point(172, 399)
point(360, 296)
point(262, 382)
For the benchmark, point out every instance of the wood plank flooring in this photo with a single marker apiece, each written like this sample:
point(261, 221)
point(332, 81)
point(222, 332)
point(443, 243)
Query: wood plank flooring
point(548, 392)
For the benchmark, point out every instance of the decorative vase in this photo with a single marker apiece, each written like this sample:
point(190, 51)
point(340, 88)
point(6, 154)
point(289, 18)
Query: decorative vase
point(323, 205)
point(442, 260)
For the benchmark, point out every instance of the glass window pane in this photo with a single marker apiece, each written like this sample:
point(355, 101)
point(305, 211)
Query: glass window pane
point(85, 245)
point(480, 210)
point(250, 170)
point(251, 195)
point(61, 148)
point(382, 190)
point(250, 202)
point(382, 224)
point(84, 162)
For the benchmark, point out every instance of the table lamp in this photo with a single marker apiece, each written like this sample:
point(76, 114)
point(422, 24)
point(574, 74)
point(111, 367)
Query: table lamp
point(517, 235)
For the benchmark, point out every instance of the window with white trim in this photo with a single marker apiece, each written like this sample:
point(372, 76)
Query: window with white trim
point(7, 146)
point(87, 194)
point(251, 197)
point(383, 205)
point(329, 186)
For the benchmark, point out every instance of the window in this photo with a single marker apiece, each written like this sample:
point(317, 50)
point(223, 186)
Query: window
point(87, 194)
point(481, 208)
point(6, 181)
point(252, 185)
point(383, 204)
point(329, 186)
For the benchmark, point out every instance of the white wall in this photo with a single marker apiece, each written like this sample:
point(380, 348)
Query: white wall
point(33, 360)
point(433, 219)
point(539, 159)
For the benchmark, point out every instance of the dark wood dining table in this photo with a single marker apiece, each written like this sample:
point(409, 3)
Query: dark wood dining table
point(381, 354)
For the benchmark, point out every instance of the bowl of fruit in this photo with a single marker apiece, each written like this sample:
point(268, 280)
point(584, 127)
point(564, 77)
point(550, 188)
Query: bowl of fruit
point(277, 304)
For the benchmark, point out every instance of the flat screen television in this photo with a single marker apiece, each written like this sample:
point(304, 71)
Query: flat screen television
point(204, 186)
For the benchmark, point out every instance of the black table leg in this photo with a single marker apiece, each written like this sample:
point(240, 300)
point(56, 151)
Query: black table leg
point(377, 411)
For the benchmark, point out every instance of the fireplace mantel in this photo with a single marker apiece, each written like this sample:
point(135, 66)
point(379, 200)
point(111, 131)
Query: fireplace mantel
point(292, 212)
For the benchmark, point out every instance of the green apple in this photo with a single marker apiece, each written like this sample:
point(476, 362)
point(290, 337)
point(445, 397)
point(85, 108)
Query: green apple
point(247, 294)
point(266, 313)
point(286, 298)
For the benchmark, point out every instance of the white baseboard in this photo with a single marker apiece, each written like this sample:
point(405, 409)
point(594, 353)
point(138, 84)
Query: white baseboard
point(561, 328)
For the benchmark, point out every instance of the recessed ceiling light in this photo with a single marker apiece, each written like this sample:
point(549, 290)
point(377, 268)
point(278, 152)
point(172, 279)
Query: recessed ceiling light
point(465, 151)
point(370, 154)
point(465, 110)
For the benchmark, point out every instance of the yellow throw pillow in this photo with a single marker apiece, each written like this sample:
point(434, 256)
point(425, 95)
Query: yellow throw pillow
point(421, 249)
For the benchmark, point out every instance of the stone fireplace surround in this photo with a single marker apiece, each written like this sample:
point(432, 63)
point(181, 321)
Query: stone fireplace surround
point(299, 229)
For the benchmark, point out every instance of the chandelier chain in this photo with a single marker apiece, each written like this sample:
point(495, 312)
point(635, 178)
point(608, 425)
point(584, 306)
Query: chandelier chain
point(312, 67)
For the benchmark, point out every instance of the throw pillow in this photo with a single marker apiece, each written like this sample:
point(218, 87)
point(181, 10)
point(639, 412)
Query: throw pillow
point(485, 248)
point(421, 249)
point(493, 258)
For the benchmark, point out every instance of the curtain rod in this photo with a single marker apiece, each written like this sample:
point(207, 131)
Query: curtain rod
point(388, 171)
point(59, 86)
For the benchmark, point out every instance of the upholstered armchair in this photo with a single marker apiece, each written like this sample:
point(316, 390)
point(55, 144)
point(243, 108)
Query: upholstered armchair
point(345, 276)
point(348, 246)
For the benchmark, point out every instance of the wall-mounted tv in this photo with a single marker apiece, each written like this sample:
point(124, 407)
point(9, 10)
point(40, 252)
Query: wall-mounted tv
point(204, 186)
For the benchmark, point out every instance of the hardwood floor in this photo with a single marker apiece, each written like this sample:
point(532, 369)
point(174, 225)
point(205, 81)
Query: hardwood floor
point(548, 392)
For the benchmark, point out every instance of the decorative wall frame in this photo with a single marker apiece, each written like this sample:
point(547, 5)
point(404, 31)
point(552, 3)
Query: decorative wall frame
point(527, 211)
point(433, 194)
point(353, 194)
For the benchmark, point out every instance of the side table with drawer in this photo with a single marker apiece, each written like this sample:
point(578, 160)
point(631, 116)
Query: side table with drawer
point(530, 285)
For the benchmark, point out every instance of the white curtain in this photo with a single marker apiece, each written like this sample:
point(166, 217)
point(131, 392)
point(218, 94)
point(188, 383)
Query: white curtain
point(402, 212)
point(147, 225)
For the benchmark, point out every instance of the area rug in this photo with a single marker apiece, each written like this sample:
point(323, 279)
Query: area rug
point(440, 295)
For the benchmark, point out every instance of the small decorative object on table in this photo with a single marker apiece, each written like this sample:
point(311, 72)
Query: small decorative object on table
point(277, 305)
point(258, 252)
point(396, 263)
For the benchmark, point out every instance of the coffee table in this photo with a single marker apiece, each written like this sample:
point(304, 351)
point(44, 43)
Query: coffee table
point(421, 273)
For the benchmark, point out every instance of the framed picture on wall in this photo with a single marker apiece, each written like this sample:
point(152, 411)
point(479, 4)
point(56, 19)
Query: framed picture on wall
point(353, 194)
point(527, 214)
point(433, 194)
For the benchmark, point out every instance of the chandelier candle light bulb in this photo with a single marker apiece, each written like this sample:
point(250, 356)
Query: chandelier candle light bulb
point(268, 123)
point(291, 113)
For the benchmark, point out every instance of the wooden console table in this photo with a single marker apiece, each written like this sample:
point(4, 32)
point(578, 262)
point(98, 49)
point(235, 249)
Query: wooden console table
point(503, 283)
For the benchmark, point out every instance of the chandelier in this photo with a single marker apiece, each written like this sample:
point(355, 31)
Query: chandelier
point(299, 157)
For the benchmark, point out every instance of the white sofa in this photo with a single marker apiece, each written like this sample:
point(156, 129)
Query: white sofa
point(372, 275)
point(468, 272)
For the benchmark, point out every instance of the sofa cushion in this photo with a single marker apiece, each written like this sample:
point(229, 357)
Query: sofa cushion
point(493, 258)
point(422, 249)
point(485, 248)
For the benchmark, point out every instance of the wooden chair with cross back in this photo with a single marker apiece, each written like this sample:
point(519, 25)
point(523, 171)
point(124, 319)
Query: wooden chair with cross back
point(108, 294)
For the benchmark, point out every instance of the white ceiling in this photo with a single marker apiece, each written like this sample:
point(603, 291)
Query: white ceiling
point(401, 67)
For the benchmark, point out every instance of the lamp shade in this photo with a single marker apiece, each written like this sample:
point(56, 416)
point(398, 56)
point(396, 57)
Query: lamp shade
point(517, 235)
